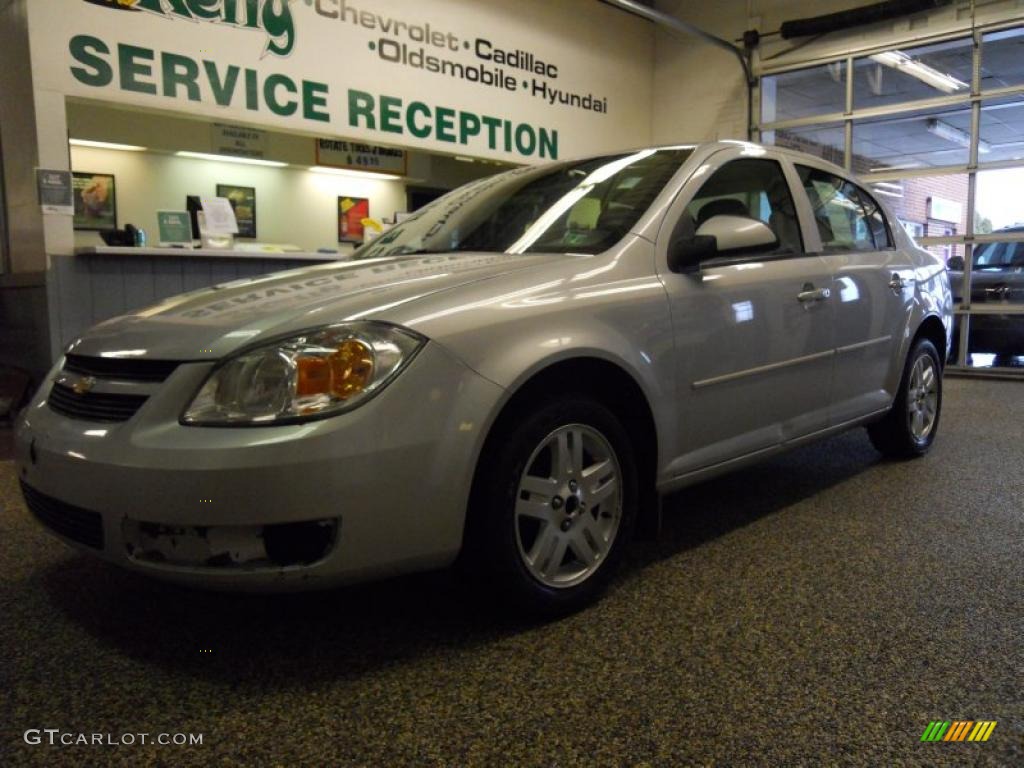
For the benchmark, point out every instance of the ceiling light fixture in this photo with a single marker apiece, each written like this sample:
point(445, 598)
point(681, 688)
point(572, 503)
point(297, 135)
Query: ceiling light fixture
point(889, 188)
point(929, 75)
point(895, 167)
point(954, 134)
point(354, 174)
point(105, 145)
point(231, 159)
point(888, 194)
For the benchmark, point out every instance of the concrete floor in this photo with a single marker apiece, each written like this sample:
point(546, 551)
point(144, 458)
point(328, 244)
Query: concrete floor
point(820, 609)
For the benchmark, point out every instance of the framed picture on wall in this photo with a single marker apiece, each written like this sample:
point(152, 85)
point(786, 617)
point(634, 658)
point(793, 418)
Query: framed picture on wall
point(95, 198)
point(243, 200)
point(351, 212)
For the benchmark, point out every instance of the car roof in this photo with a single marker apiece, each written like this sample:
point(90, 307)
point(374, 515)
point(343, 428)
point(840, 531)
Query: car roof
point(707, 148)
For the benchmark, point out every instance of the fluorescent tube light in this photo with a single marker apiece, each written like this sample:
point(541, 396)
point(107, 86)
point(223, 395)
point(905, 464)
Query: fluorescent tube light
point(105, 145)
point(896, 167)
point(954, 134)
point(353, 174)
point(231, 159)
point(889, 188)
point(887, 193)
point(929, 75)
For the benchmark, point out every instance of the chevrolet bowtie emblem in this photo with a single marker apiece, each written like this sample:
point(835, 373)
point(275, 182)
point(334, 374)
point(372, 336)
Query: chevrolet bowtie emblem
point(83, 385)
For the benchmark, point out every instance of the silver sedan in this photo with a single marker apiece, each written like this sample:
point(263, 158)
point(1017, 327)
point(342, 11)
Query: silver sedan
point(512, 377)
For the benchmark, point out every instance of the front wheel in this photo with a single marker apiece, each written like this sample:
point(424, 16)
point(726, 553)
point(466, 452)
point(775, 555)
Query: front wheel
point(909, 429)
point(555, 505)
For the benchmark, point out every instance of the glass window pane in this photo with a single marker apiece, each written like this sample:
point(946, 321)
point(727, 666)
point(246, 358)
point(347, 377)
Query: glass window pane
point(874, 217)
point(998, 200)
point(997, 279)
point(838, 212)
point(755, 189)
point(804, 92)
point(826, 141)
point(929, 206)
point(995, 340)
point(898, 76)
point(1002, 130)
point(1002, 58)
point(920, 139)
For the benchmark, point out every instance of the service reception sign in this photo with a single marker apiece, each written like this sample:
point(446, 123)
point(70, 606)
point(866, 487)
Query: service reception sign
point(526, 81)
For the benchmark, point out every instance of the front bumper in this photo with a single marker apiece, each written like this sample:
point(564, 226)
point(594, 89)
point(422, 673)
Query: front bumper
point(394, 476)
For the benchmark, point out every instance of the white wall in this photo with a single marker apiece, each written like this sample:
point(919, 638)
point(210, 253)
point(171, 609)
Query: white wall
point(292, 205)
point(701, 94)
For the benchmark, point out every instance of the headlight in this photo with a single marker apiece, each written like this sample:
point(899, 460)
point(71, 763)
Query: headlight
point(314, 374)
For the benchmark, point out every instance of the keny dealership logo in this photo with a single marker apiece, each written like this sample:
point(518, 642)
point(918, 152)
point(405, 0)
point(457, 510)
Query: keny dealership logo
point(273, 17)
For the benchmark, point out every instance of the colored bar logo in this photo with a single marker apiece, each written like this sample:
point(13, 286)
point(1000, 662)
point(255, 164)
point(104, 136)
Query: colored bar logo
point(958, 730)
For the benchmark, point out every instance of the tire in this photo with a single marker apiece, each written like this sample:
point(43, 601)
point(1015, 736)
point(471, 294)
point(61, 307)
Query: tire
point(547, 535)
point(909, 429)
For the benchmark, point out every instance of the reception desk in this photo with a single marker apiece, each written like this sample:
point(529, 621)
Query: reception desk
point(100, 282)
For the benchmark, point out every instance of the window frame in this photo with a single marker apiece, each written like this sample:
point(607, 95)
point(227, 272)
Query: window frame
point(974, 98)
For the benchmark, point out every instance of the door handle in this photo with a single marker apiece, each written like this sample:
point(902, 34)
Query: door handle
point(898, 283)
point(810, 294)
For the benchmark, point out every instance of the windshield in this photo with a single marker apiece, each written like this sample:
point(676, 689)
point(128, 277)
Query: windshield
point(1000, 256)
point(583, 206)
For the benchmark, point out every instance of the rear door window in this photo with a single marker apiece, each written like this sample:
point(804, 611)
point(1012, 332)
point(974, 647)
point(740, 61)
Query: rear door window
point(848, 219)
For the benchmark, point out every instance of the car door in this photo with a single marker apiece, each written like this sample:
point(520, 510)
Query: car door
point(753, 330)
point(872, 288)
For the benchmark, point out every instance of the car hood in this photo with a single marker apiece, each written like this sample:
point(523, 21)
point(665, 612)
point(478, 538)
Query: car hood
point(212, 322)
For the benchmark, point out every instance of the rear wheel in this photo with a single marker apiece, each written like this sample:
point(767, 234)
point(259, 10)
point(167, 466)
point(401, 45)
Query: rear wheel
point(555, 505)
point(909, 429)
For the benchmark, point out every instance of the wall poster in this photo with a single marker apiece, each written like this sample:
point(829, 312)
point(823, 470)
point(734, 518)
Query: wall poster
point(95, 201)
point(351, 212)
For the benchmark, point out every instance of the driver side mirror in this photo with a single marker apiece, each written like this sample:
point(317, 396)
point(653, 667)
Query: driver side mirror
point(955, 263)
point(718, 236)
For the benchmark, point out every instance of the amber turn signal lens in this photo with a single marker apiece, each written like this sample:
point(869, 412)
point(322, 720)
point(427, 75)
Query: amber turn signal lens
point(351, 369)
point(345, 372)
point(314, 376)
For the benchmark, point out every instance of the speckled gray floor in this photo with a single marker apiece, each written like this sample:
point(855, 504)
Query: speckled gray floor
point(818, 610)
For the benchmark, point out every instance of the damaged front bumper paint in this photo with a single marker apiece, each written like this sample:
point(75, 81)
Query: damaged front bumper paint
point(371, 493)
point(230, 546)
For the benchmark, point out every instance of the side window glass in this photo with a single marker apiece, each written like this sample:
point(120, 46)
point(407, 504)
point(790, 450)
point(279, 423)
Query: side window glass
point(753, 188)
point(843, 221)
point(999, 255)
point(875, 218)
point(987, 255)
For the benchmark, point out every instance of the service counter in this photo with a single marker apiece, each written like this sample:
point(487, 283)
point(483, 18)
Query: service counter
point(100, 282)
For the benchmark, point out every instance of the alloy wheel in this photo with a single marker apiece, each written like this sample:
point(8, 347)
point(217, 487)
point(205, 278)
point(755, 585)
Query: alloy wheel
point(568, 506)
point(923, 397)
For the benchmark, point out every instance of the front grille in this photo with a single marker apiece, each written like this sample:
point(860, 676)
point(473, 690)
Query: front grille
point(120, 368)
point(73, 522)
point(93, 406)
